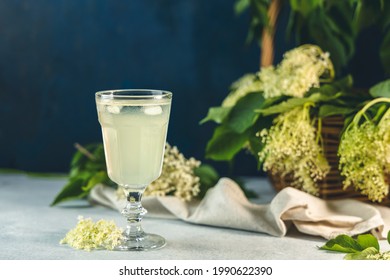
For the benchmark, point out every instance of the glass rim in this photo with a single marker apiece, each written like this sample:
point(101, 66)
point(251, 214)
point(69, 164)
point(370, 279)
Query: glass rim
point(134, 94)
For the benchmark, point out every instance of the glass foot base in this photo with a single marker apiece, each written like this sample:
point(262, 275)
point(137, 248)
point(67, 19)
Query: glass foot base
point(145, 243)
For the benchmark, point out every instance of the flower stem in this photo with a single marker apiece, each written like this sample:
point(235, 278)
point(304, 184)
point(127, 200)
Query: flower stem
point(362, 112)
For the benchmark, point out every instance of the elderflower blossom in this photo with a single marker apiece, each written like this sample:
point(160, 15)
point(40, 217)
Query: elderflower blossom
point(246, 84)
point(177, 176)
point(384, 131)
point(292, 148)
point(300, 70)
point(379, 256)
point(88, 235)
point(364, 158)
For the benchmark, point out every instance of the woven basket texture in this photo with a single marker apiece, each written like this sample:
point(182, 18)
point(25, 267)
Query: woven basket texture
point(331, 187)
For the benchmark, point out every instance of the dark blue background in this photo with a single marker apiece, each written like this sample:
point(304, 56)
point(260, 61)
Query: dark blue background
point(54, 55)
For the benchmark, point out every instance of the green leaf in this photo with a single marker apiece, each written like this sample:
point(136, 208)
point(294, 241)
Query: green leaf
point(243, 114)
point(388, 237)
point(345, 83)
point(367, 241)
point(241, 5)
point(343, 243)
point(292, 103)
point(259, 20)
point(384, 51)
point(95, 165)
point(208, 178)
point(323, 30)
point(77, 159)
point(381, 90)
point(367, 13)
point(97, 178)
point(361, 255)
point(284, 106)
point(216, 114)
point(207, 174)
point(87, 168)
point(305, 7)
point(72, 190)
point(328, 110)
point(225, 144)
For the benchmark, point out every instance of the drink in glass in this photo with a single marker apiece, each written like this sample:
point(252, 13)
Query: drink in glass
point(134, 126)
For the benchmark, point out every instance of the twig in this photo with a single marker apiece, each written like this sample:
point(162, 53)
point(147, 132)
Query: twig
point(84, 151)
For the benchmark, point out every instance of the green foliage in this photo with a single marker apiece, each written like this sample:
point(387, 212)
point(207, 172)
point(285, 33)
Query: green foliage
point(381, 89)
point(388, 237)
point(237, 125)
point(363, 255)
point(208, 178)
point(225, 143)
point(87, 168)
point(216, 114)
point(259, 16)
point(367, 241)
point(365, 246)
point(343, 243)
point(333, 25)
point(243, 114)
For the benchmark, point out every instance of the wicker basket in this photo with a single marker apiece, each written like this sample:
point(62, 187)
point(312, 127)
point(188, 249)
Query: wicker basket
point(331, 187)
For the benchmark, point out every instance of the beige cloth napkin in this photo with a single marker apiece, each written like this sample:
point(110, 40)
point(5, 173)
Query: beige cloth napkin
point(225, 205)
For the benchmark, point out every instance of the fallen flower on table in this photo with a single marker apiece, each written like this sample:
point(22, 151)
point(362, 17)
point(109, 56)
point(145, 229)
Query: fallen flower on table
point(88, 235)
point(364, 247)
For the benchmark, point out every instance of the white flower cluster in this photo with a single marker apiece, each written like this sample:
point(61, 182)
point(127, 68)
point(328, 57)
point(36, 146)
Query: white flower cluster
point(88, 235)
point(300, 70)
point(291, 148)
point(379, 256)
point(364, 157)
point(177, 176)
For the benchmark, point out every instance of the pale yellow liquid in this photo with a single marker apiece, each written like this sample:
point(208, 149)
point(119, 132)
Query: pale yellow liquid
point(134, 138)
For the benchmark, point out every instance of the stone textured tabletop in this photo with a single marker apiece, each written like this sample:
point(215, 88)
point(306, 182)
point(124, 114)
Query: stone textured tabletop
point(31, 229)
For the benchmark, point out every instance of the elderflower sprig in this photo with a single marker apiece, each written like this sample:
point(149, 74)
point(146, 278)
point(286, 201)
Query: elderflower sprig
point(88, 235)
point(177, 177)
point(379, 256)
point(292, 147)
point(363, 247)
point(365, 153)
point(301, 69)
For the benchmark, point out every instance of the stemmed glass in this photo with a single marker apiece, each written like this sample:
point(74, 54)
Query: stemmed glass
point(134, 125)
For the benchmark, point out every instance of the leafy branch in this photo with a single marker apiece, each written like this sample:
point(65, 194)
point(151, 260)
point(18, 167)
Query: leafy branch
point(364, 247)
point(88, 168)
point(237, 125)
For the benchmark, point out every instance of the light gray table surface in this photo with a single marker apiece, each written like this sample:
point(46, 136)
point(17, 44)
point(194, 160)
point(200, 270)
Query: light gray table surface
point(31, 229)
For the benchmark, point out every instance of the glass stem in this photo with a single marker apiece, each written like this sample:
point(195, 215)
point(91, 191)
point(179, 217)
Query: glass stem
point(134, 213)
